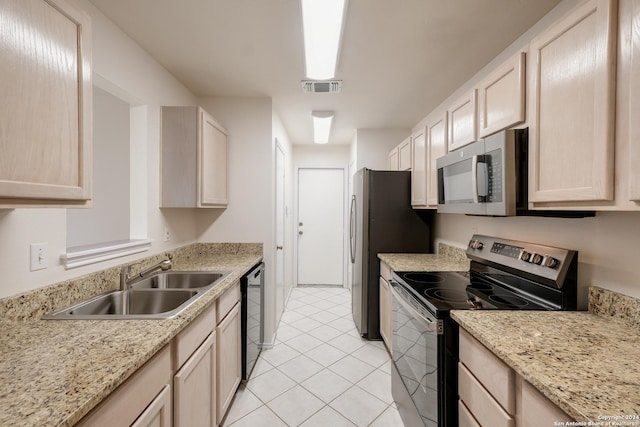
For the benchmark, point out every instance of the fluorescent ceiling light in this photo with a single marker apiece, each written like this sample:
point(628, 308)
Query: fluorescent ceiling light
point(321, 126)
point(322, 27)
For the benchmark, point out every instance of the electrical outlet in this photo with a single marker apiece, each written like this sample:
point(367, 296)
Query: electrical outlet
point(167, 234)
point(39, 256)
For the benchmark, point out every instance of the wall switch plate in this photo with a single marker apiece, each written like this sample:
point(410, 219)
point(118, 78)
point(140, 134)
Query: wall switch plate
point(39, 256)
point(167, 234)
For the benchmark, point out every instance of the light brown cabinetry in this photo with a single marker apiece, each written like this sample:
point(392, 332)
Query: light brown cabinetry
point(46, 140)
point(228, 368)
point(634, 104)
point(501, 97)
point(419, 169)
point(462, 121)
point(158, 413)
point(127, 404)
point(493, 394)
point(436, 147)
point(386, 328)
point(194, 159)
point(571, 106)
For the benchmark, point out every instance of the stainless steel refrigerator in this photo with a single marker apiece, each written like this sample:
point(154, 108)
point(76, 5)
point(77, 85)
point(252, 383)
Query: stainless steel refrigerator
point(381, 221)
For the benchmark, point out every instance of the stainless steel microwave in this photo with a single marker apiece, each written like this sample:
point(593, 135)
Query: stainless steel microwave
point(486, 177)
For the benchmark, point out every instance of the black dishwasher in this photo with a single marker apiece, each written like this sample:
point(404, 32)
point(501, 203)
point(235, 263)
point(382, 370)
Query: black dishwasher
point(252, 289)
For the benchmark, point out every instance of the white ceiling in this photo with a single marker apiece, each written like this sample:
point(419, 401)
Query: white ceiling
point(399, 58)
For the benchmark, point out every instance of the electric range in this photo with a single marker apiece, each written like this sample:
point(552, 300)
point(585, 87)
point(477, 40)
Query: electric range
point(503, 275)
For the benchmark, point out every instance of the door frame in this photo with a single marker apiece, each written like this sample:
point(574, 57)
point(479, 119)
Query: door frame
point(285, 293)
point(345, 219)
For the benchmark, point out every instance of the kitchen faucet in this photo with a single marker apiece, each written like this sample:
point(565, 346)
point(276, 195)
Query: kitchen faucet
point(126, 279)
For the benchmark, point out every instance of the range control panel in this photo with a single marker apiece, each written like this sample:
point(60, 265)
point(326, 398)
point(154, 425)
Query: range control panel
point(544, 261)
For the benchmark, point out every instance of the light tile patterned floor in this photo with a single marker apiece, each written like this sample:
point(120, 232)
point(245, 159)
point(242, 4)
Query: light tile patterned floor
point(319, 372)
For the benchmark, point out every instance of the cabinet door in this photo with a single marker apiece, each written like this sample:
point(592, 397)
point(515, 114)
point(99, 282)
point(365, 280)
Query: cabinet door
point(501, 97)
point(536, 410)
point(158, 413)
point(229, 369)
point(572, 106)
point(419, 170)
point(195, 388)
point(393, 159)
point(385, 313)
point(436, 147)
point(462, 121)
point(46, 104)
point(212, 164)
point(404, 155)
point(634, 106)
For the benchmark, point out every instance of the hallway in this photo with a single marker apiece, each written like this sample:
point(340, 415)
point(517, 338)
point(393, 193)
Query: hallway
point(319, 372)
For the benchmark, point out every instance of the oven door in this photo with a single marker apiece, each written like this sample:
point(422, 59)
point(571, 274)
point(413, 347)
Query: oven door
point(463, 181)
point(415, 385)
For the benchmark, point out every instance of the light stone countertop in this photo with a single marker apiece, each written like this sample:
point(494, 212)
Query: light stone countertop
point(585, 363)
point(448, 258)
point(53, 372)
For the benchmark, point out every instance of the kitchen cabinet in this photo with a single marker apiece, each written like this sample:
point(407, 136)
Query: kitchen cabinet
point(46, 108)
point(195, 379)
point(436, 147)
point(404, 155)
point(194, 159)
point(127, 405)
point(228, 368)
point(571, 106)
point(462, 121)
point(501, 97)
point(634, 104)
point(386, 309)
point(493, 394)
point(419, 169)
point(393, 160)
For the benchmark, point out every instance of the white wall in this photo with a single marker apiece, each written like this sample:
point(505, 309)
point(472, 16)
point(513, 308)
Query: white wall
point(372, 147)
point(121, 61)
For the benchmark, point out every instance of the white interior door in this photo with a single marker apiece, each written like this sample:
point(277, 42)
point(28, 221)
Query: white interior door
point(320, 226)
point(280, 180)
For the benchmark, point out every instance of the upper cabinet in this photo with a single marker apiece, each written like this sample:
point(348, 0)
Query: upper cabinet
point(45, 46)
point(501, 97)
point(393, 160)
point(634, 105)
point(462, 121)
point(436, 147)
point(194, 159)
point(401, 157)
point(571, 106)
point(419, 169)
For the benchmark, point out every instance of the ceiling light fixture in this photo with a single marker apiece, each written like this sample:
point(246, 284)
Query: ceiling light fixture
point(322, 26)
point(321, 126)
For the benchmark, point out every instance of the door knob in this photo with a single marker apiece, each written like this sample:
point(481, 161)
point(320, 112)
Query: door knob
point(300, 232)
point(279, 248)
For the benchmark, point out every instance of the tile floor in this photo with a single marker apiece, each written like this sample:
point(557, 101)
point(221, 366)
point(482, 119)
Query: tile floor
point(319, 372)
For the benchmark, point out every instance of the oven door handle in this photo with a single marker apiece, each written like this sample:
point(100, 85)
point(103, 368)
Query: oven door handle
point(432, 324)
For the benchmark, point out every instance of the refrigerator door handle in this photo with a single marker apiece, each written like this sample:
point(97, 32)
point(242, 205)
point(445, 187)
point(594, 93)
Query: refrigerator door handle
point(352, 230)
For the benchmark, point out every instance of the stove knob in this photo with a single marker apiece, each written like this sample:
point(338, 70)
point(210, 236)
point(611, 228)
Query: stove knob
point(476, 244)
point(549, 261)
point(524, 256)
point(536, 259)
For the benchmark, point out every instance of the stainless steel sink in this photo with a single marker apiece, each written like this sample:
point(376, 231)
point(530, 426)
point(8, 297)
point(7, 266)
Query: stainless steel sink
point(179, 280)
point(161, 296)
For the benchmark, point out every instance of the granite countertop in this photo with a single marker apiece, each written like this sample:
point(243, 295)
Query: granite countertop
point(585, 363)
point(53, 372)
point(448, 258)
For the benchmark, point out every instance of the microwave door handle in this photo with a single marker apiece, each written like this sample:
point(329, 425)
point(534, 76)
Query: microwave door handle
point(474, 178)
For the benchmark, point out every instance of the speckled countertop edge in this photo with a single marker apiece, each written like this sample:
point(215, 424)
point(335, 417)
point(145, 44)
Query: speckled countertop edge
point(53, 372)
point(448, 258)
point(584, 363)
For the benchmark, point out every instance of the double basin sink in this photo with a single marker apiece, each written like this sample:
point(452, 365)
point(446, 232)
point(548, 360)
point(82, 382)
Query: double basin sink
point(161, 296)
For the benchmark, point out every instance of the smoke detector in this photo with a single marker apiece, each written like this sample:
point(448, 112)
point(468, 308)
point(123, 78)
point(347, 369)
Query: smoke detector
point(325, 86)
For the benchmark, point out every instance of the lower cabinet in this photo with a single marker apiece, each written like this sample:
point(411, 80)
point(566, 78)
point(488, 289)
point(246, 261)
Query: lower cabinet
point(385, 305)
point(229, 368)
point(493, 395)
point(158, 413)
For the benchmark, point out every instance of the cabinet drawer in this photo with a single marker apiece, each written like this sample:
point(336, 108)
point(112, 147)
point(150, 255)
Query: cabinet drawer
point(465, 419)
point(226, 301)
point(129, 400)
point(480, 403)
point(187, 341)
point(385, 271)
point(492, 372)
